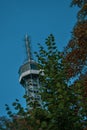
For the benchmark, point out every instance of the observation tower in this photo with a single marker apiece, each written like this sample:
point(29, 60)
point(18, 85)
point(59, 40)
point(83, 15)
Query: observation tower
point(29, 76)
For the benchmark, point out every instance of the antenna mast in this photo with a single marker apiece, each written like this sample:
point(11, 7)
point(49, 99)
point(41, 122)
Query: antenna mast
point(28, 48)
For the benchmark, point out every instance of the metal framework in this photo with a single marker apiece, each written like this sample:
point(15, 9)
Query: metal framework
point(29, 76)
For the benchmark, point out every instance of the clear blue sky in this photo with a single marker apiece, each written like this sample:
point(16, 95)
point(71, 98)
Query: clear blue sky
point(38, 18)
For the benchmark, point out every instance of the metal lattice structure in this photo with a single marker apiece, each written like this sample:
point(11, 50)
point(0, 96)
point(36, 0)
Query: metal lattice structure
point(29, 76)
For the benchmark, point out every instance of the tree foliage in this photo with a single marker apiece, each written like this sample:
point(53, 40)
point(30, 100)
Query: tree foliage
point(60, 98)
point(75, 53)
point(76, 50)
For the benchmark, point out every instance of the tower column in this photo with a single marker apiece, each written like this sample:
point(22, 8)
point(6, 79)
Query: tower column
point(29, 76)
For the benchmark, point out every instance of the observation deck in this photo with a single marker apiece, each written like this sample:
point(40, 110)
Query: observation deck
point(27, 69)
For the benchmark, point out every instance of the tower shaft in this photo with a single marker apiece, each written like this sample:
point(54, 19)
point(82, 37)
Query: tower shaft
point(29, 77)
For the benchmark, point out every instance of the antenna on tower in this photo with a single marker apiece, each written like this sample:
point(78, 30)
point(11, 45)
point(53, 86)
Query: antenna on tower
point(28, 48)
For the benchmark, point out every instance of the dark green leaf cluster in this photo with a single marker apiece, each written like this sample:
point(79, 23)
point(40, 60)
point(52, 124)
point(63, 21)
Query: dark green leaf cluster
point(59, 99)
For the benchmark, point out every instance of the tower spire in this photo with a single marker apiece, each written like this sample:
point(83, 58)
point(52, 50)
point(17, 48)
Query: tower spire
point(28, 48)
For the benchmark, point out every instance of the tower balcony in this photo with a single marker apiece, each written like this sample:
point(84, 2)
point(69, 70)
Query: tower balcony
point(28, 69)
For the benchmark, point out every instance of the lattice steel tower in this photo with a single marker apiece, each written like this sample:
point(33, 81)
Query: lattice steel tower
point(29, 76)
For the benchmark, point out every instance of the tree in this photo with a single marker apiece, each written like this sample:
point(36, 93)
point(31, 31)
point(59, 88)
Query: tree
point(75, 53)
point(61, 100)
point(76, 50)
